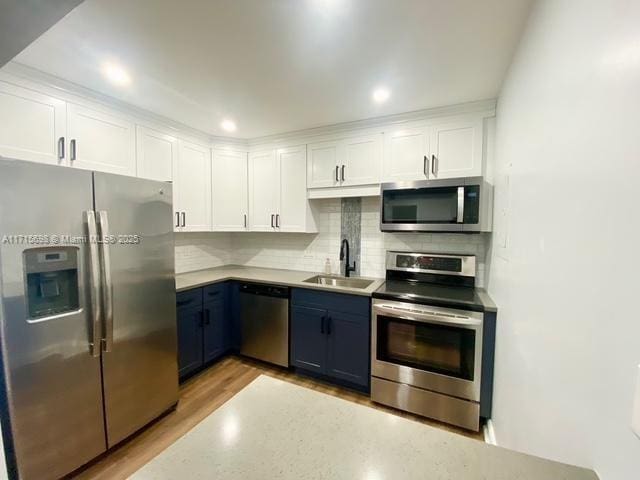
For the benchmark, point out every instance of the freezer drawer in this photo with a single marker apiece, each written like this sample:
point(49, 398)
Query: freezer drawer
point(264, 317)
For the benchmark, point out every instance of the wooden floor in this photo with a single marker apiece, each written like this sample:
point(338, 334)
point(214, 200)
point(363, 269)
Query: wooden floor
point(201, 395)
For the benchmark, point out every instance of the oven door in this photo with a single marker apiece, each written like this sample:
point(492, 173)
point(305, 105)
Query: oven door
point(438, 349)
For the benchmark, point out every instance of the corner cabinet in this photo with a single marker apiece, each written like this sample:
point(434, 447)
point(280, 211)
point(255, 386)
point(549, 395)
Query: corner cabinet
point(331, 336)
point(192, 188)
point(278, 191)
point(229, 181)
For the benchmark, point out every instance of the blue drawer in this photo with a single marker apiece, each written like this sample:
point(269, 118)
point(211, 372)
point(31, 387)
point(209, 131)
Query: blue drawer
point(214, 292)
point(337, 302)
point(189, 298)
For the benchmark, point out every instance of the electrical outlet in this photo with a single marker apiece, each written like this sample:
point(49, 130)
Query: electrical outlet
point(635, 423)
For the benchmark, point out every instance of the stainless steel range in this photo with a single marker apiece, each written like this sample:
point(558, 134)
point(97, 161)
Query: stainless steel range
point(432, 339)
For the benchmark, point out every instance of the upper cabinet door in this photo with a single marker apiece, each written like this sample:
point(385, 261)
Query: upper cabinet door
point(33, 125)
point(456, 149)
point(156, 154)
point(264, 184)
point(229, 180)
point(192, 187)
point(406, 153)
point(362, 160)
point(292, 214)
point(322, 164)
point(101, 141)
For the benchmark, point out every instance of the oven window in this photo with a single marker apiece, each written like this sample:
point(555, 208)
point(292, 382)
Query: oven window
point(426, 346)
point(429, 205)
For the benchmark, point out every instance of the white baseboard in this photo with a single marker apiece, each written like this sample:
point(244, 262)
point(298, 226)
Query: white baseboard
point(489, 433)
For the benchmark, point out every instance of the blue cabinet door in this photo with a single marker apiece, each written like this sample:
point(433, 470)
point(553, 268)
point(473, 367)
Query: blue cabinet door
point(189, 339)
point(348, 347)
point(213, 331)
point(308, 339)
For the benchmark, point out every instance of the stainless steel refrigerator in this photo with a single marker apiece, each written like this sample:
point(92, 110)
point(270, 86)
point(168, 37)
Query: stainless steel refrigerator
point(87, 313)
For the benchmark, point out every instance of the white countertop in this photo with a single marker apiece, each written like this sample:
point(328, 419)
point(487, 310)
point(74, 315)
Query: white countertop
point(273, 276)
point(274, 429)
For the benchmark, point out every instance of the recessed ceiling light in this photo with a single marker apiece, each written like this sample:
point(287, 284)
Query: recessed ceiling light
point(381, 94)
point(116, 74)
point(228, 125)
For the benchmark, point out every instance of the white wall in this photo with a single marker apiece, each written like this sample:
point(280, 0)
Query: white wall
point(567, 194)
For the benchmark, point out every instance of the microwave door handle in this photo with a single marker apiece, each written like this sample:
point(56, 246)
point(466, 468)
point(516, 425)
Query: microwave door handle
point(460, 217)
point(427, 317)
point(107, 285)
point(94, 284)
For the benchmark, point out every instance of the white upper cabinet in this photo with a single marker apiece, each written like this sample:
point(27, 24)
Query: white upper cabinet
point(361, 160)
point(229, 180)
point(157, 152)
point(32, 125)
point(192, 188)
point(322, 164)
point(406, 152)
point(347, 162)
point(100, 141)
point(264, 185)
point(293, 213)
point(456, 149)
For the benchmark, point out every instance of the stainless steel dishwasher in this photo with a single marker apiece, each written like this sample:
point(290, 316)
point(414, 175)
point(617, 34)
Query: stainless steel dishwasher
point(264, 316)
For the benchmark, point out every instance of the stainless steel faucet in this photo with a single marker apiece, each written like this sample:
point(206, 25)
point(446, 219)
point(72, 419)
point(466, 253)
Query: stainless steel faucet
point(344, 255)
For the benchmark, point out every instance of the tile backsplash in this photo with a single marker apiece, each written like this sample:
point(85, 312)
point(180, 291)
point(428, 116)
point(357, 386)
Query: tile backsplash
point(309, 251)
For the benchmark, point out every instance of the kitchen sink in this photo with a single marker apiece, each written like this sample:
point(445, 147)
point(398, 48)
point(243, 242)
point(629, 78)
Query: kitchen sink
point(336, 281)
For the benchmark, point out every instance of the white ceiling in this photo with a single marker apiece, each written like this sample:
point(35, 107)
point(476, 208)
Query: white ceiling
point(276, 66)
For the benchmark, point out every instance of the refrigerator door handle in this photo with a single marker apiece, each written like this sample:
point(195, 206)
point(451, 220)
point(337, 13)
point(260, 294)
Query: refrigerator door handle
point(94, 282)
point(107, 290)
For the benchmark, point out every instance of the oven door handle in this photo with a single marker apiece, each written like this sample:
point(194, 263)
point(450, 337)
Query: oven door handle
point(427, 317)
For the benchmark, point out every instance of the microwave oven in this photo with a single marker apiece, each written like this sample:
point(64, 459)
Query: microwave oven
point(457, 205)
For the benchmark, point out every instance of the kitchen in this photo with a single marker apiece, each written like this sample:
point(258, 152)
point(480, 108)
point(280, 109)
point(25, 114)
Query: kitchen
point(390, 252)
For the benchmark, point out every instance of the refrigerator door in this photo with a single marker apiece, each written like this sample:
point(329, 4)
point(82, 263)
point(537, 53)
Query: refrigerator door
point(52, 377)
point(139, 358)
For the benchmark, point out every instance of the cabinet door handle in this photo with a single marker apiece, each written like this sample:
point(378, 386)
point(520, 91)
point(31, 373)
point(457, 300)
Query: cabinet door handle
point(337, 173)
point(245, 220)
point(342, 173)
point(61, 148)
point(272, 218)
point(277, 220)
point(184, 219)
point(329, 321)
point(322, 319)
point(434, 165)
point(425, 167)
point(201, 318)
point(73, 148)
point(177, 219)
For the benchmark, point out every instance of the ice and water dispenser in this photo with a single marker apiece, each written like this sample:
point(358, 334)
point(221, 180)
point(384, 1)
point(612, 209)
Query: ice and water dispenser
point(51, 277)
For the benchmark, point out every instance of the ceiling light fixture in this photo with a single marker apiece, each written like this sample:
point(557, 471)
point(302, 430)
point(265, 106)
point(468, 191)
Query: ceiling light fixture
point(228, 125)
point(381, 94)
point(116, 74)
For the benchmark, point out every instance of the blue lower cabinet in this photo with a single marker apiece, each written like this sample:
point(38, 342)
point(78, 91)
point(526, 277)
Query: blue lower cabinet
point(308, 348)
point(348, 347)
point(189, 340)
point(203, 327)
point(330, 336)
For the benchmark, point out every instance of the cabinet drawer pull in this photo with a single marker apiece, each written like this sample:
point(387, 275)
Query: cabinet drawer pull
point(343, 173)
point(184, 219)
point(425, 167)
point(61, 148)
point(337, 173)
point(183, 303)
point(177, 219)
point(277, 220)
point(245, 220)
point(434, 165)
point(73, 148)
point(272, 218)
